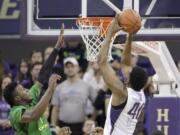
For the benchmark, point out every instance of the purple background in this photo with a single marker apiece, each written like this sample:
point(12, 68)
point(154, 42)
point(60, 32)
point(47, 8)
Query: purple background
point(173, 104)
point(10, 26)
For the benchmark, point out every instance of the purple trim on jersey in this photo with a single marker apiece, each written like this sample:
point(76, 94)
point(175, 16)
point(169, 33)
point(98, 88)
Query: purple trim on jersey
point(114, 114)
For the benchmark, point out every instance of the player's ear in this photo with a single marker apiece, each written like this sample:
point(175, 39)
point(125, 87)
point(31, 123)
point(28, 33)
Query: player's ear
point(149, 81)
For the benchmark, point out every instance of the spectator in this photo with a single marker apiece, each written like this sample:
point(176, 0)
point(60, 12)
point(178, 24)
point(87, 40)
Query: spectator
point(23, 72)
point(4, 67)
point(100, 107)
point(36, 57)
point(70, 99)
point(5, 125)
point(34, 71)
point(74, 49)
point(88, 126)
point(94, 76)
point(55, 130)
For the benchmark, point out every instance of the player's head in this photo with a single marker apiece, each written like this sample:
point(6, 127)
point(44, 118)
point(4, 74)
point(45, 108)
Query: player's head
point(138, 78)
point(71, 67)
point(16, 94)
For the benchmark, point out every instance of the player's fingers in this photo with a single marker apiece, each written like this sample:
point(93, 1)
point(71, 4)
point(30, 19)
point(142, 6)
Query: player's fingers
point(117, 16)
point(62, 29)
point(55, 78)
point(67, 130)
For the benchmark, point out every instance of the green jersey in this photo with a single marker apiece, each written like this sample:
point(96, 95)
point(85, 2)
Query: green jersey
point(40, 127)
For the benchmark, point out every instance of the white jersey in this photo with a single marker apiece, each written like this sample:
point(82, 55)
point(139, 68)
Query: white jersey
point(123, 121)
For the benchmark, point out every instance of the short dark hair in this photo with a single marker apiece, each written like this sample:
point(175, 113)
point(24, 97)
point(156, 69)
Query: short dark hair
point(138, 78)
point(9, 93)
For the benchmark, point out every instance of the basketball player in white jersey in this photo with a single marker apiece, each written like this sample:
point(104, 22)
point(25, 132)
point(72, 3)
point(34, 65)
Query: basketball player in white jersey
point(127, 100)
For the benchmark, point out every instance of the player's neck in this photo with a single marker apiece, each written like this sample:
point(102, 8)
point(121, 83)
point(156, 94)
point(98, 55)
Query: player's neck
point(20, 103)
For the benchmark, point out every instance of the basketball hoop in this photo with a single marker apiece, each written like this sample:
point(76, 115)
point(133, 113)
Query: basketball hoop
point(93, 31)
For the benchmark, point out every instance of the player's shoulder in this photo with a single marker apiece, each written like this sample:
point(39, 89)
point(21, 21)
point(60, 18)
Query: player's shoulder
point(15, 109)
point(16, 113)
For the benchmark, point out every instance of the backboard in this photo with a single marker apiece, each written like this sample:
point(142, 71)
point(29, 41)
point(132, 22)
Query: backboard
point(161, 18)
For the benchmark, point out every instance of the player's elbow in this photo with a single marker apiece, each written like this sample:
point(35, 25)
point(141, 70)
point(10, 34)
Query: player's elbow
point(36, 115)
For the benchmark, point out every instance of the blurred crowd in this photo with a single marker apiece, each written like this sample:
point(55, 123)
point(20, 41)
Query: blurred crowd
point(81, 104)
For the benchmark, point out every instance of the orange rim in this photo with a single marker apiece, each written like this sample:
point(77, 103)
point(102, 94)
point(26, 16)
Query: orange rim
point(95, 21)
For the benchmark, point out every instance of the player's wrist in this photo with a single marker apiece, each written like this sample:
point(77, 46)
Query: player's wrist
point(110, 34)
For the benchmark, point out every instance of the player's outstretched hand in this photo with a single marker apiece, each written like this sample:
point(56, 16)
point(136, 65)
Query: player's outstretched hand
point(114, 25)
point(53, 81)
point(97, 131)
point(64, 131)
point(60, 41)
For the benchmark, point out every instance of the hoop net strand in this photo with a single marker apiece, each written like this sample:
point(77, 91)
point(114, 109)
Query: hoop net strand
point(93, 31)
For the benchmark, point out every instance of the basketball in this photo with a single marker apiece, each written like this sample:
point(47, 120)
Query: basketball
point(130, 20)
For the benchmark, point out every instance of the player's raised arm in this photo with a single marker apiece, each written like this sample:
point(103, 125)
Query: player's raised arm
point(126, 55)
point(113, 28)
point(48, 65)
point(39, 109)
point(126, 58)
point(112, 81)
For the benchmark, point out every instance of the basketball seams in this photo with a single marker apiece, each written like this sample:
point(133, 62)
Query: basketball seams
point(130, 20)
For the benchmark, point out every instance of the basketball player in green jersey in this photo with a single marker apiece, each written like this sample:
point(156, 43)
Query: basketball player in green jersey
point(26, 114)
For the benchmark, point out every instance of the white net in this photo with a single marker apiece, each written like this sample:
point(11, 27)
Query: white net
point(93, 33)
